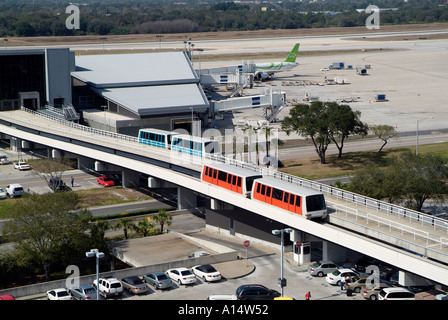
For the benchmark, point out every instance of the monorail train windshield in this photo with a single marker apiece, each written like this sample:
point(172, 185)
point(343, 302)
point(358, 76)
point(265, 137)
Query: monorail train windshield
point(315, 203)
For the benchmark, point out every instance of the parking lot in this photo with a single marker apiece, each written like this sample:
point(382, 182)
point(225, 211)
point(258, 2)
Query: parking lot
point(266, 271)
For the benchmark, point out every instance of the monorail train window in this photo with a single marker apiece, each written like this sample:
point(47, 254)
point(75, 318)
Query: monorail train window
point(207, 169)
point(277, 194)
point(291, 199)
point(239, 183)
point(258, 187)
point(229, 178)
point(268, 191)
point(214, 173)
point(234, 180)
point(298, 201)
point(315, 202)
point(263, 189)
point(286, 200)
point(222, 176)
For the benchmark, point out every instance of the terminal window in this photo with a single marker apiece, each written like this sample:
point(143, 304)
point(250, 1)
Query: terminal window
point(22, 73)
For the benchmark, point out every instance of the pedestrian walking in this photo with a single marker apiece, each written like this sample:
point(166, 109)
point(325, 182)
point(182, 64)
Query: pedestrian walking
point(72, 180)
point(342, 283)
point(308, 295)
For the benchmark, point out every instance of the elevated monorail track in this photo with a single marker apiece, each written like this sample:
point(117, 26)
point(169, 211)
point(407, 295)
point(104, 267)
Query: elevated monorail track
point(410, 240)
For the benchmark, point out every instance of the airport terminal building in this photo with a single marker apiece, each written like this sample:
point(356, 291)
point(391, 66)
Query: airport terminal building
point(116, 92)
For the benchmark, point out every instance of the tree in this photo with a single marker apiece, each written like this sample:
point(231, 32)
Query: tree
point(126, 224)
point(410, 178)
point(423, 178)
point(384, 132)
point(311, 121)
point(143, 227)
point(51, 171)
point(344, 122)
point(163, 218)
point(44, 227)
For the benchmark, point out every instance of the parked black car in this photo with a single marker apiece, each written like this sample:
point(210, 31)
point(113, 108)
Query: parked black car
point(255, 292)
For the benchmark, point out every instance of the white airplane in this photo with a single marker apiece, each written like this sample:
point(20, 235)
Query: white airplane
point(265, 71)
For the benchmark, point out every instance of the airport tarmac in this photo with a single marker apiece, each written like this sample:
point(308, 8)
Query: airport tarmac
point(412, 74)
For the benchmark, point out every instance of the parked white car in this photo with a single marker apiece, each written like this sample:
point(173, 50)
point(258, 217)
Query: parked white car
point(21, 166)
point(181, 275)
point(396, 294)
point(59, 294)
point(14, 190)
point(206, 272)
point(336, 276)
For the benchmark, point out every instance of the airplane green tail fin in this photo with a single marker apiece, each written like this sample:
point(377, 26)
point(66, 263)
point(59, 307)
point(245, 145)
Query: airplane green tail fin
point(293, 54)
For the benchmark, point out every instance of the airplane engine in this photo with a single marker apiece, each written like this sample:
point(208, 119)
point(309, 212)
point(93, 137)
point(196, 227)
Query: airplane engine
point(262, 76)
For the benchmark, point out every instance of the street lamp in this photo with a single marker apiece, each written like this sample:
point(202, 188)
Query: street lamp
point(281, 280)
point(416, 140)
point(99, 255)
point(160, 40)
point(103, 39)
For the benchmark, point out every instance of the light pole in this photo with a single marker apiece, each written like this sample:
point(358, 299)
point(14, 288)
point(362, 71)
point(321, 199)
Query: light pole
point(160, 41)
point(90, 254)
point(103, 39)
point(281, 280)
point(416, 140)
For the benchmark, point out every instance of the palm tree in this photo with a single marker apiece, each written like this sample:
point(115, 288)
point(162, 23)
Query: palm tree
point(163, 217)
point(143, 227)
point(126, 224)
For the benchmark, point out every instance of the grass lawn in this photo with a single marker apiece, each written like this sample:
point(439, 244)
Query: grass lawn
point(311, 168)
point(90, 198)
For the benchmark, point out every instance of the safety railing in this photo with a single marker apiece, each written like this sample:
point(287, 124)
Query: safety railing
point(390, 225)
point(427, 251)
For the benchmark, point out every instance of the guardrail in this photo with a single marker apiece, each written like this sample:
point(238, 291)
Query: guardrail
point(391, 225)
point(426, 251)
point(401, 212)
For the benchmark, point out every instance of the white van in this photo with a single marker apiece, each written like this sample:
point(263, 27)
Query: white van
point(396, 294)
point(14, 190)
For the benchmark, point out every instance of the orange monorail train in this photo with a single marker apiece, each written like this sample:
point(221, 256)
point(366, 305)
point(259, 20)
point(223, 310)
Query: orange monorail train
point(303, 201)
point(300, 200)
point(230, 177)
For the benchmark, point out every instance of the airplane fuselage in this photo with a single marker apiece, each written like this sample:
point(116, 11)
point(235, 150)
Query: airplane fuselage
point(275, 66)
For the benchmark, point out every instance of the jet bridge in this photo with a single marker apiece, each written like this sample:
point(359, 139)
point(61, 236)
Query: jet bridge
point(240, 75)
point(272, 102)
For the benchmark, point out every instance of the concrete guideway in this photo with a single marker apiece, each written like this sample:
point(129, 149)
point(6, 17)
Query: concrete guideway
point(390, 255)
point(406, 232)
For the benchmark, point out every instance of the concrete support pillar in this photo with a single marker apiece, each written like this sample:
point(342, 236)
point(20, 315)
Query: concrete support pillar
point(99, 166)
point(333, 252)
point(220, 205)
point(56, 154)
point(85, 163)
point(186, 199)
point(26, 144)
point(130, 178)
point(15, 144)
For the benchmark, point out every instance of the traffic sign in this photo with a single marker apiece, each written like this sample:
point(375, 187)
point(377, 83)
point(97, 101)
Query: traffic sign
point(246, 243)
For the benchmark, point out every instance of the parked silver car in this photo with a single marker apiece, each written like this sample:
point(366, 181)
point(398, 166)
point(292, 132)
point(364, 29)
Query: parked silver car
point(134, 285)
point(83, 292)
point(321, 268)
point(159, 280)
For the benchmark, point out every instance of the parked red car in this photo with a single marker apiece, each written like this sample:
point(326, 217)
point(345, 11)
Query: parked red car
point(105, 181)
